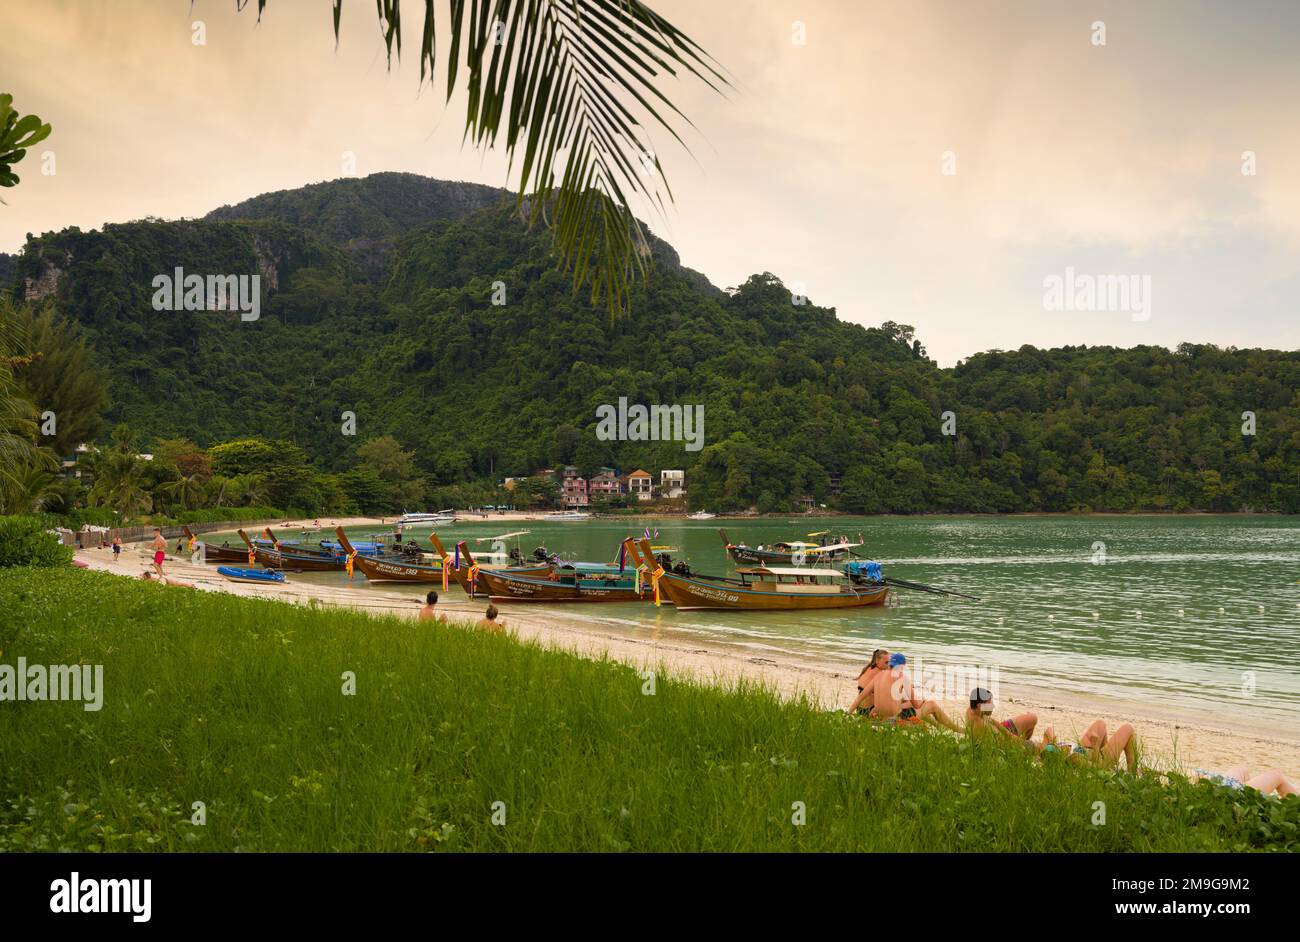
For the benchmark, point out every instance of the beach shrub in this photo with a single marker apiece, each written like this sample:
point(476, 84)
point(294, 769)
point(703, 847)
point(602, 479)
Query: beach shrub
point(26, 541)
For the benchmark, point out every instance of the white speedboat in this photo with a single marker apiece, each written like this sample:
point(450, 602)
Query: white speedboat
point(441, 518)
point(700, 515)
point(566, 515)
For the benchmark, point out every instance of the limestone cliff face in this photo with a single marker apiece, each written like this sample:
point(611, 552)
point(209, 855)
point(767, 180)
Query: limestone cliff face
point(52, 266)
point(268, 262)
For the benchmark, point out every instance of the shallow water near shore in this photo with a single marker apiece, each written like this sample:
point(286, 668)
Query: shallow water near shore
point(1198, 617)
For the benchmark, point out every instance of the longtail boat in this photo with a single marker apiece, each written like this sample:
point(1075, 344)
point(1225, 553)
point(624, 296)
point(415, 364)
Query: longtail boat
point(567, 582)
point(215, 554)
point(788, 552)
point(279, 556)
point(762, 588)
point(404, 569)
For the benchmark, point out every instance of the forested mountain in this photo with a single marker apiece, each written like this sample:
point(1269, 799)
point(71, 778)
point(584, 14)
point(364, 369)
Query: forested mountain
point(378, 300)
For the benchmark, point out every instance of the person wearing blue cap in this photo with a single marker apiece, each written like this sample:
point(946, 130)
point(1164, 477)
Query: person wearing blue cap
point(897, 703)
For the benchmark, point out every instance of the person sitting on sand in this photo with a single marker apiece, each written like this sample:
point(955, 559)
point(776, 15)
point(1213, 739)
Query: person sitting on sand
point(489, 620)
point(895, 701)
point(1238, 777)
point(1096, 747)
point(426, 611)
point(862, 703)
point(979, 717)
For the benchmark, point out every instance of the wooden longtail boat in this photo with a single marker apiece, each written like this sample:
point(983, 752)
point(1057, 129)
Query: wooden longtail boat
point(277, 556)
point(404, 569)
point(763, 588)
point(787, 553)
point(568, 582)
point(216, 554)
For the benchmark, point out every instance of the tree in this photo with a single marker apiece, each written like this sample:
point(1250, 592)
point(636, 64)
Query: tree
point(571, 81)
point(396, 470)
point(119, 476)
point(17, 135)
point(56, 372)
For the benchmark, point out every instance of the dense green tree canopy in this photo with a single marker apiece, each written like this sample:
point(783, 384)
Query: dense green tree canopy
point(411, 337)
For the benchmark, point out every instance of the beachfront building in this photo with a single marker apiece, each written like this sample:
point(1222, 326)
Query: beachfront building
point(573, 489)
point(604, 485)
point(672, 484)
point(641, 485)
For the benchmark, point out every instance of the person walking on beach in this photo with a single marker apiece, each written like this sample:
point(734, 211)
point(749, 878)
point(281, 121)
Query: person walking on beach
point(895, 700)
point(863, 702)
point(426, 611)
point(489, 620)
point(159, 550)
point(979, 717)
point(117, 548)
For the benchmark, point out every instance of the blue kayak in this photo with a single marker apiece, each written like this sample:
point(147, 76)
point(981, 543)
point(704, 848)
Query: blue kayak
point(236, 574)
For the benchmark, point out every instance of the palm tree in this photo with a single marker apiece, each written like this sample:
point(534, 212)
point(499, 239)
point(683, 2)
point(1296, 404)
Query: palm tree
point(119, 476)
point(185, 493)
point(35, 488)
point(18, 449)
point(573, 82)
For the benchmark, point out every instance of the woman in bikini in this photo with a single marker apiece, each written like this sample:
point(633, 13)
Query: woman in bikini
point(863, 702)
point(1096, 747)
point(1239, 777)
point(979, 717)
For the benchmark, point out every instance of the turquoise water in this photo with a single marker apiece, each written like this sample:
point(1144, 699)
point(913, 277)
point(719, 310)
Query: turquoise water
point(1123, 607)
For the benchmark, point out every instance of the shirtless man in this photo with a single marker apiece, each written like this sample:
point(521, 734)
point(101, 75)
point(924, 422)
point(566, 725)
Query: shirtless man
point(147, 576)
point(159, 550)
point(979, 717)
point(895, 701)
point(879, 662)
point(426, 611)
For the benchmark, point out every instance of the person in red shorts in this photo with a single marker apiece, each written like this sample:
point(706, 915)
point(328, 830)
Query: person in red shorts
point(159, 550)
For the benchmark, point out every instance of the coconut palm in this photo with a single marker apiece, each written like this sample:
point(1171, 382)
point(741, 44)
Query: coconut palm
point(33, 489)
point(119, 476)
point(18, 449)
point(186, 492)
point(572, 84)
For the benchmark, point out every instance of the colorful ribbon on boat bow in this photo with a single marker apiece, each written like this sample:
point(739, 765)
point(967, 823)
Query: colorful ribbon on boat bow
point(655, 575)
point(252, 556)
point(351, 556)
point(473, 579)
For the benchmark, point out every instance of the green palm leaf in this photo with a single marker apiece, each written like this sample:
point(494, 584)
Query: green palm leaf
point(574, 86)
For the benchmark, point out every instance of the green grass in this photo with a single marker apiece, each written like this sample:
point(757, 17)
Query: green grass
point(237, 703)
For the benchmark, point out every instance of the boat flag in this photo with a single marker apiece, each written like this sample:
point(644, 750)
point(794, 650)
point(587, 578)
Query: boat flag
point(649, 537)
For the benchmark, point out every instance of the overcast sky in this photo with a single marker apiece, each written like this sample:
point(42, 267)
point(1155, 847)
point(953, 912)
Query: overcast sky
point(825, 166)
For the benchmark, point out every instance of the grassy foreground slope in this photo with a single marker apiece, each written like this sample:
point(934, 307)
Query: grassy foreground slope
point(238, 703)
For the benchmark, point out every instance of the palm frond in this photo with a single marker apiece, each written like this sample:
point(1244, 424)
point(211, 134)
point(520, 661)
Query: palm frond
point(575, 86)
